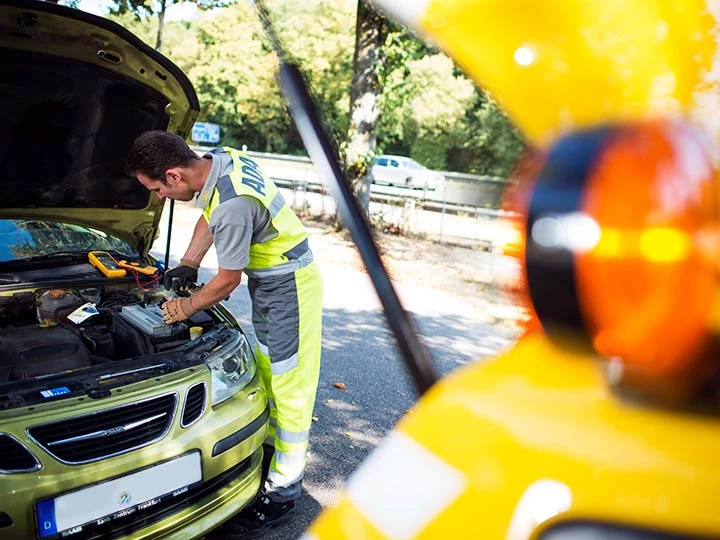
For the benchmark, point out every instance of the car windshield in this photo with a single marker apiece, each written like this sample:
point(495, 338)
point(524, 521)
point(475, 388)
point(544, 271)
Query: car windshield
point(24, 239)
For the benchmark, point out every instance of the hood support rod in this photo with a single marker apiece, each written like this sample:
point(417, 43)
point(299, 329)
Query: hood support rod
point(169, 233)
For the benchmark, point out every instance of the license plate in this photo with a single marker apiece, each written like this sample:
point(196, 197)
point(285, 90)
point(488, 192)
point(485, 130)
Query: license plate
point(117, 498)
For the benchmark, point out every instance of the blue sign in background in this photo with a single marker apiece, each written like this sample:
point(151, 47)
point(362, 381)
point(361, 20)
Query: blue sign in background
point(205, 132)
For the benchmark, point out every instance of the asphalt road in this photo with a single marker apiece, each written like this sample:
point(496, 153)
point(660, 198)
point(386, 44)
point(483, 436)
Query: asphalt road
point(359, 351)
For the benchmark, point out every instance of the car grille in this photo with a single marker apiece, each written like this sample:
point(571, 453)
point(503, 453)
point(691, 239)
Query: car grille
point(107, 433)
point(14, 457)
point(194, 404)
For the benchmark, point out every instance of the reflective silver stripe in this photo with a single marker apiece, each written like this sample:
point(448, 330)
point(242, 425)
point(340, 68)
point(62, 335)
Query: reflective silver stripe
point(263, 348)
point(298, 251)
point(292, 436)
point(277, 479)
point(225, 188)
point(276, 204)
point(281, 269)
point(287, 469)
point(278, 368)
point(290, 460)
point(273, 422)
point(271, 402)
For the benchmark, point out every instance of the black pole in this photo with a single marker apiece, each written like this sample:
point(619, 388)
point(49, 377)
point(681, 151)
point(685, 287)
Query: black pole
point(169, 232)
point(325, 158)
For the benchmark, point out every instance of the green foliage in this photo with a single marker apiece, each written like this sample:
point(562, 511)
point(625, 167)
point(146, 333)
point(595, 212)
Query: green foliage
point(429, 110)
point(441, 119)
point(225, 55)
point(144, 28)
point(323, 50)
point(234, 75)
point(492, 145)
point(401, 48)
point(143, 8)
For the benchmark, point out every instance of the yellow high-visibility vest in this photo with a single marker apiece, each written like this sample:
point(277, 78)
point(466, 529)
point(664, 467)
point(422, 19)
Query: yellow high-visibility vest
point(247, 179)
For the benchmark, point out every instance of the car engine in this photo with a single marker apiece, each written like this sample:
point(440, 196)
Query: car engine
point(59, 330)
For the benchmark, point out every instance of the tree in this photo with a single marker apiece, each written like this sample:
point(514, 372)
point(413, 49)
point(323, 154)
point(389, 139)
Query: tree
point(324, 51)
point(233, 69)
point(433, 113)
point(234, 76)
point(365, 92)
point(147, 8)
point(491, 144)
point(380, 90)
point(436, 108)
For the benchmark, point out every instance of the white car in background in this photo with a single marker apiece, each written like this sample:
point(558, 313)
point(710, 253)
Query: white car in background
point(404, 172)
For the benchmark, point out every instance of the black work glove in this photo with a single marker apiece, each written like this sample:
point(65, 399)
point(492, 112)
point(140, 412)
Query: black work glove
point(181, 277)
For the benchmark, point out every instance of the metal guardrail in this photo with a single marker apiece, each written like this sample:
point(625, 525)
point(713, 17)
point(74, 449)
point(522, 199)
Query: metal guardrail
point(457, 212)
point(459, 193)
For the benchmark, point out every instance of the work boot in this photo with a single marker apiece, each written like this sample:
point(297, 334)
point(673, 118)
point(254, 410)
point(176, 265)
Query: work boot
point(261, 515)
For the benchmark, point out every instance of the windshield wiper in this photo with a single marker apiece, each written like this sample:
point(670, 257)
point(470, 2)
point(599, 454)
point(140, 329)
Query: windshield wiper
point(60, 257)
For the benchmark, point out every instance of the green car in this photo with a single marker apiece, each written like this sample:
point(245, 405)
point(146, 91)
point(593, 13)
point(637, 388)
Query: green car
point(112, 423)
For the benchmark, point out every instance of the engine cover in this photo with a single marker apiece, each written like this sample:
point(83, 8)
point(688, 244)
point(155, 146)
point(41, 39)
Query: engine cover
point(32, 352)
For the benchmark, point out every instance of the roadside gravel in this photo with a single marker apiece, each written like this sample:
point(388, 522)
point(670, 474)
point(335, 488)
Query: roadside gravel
point(465, 271)
point(468, 272)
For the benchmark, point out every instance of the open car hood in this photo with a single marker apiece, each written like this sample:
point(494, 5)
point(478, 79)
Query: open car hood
point(75, 91)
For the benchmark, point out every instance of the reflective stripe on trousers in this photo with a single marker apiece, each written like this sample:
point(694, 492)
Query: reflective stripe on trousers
point(288, 349)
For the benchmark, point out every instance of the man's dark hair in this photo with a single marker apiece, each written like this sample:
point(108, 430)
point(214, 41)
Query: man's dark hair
point(154, 152)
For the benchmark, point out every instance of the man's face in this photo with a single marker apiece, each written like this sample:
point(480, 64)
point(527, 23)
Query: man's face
point(174, 186)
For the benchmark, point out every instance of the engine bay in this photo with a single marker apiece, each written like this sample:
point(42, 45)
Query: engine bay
point(78, 337)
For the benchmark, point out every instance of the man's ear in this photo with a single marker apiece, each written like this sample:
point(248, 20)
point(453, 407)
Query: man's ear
point(173, 177)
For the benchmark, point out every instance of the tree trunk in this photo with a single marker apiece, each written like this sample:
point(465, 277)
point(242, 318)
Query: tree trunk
point(161, 23)
point(365, 93)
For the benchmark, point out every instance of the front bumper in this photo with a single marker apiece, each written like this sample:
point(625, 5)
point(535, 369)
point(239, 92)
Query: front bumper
point(228, 437)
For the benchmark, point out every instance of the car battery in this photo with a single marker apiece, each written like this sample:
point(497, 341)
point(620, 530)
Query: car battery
point(149, 320)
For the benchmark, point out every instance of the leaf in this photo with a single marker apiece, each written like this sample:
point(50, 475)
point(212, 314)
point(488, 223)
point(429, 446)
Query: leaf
point(348, 435)
point(340, 385)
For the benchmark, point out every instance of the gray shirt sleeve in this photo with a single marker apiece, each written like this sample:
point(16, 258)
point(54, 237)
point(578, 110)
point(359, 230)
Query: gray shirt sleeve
point(234, 225)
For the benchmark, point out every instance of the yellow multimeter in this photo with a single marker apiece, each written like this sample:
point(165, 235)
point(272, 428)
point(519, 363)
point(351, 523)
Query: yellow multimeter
point(104, 262)
point(138, 267)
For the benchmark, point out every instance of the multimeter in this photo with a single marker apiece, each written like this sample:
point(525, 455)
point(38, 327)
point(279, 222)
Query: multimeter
point(138, 267)
point(104, 262)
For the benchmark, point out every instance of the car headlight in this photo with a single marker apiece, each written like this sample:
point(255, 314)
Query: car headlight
point(232, 366)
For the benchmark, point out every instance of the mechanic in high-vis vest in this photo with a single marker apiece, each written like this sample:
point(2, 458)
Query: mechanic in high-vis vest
point(256, 232)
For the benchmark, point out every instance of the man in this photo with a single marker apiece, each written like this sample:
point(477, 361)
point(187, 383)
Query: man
point(256, 232)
